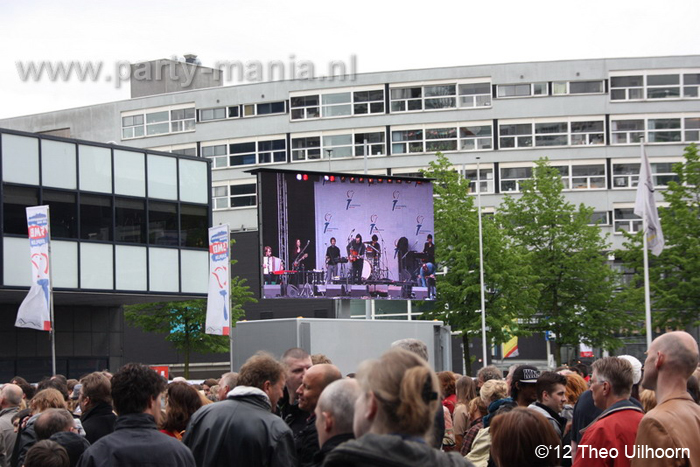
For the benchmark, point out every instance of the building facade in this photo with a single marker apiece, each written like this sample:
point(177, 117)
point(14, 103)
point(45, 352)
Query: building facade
point(127, 226)
point(586, 116)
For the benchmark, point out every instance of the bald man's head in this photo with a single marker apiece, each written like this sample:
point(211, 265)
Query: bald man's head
point(674, 354)
point(11, 395)
point(315, 381)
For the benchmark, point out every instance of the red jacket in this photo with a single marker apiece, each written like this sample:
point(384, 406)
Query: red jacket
point(615, 428)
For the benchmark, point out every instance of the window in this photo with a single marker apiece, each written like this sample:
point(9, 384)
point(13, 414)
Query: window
point(407, 141)
point(375, 143)
point(626, 174)
point(600, 218)
point(641, 86)
point(583, 176)
point(132, 127)
point(587, 133)
point(130, 224)
point(267, 108)
point(162, 223)
point(234, 196)
point(551, 134)
point(406, 99)
point(656, 129)
point(207, 115)
point(440, 97)
point(217, 154)
point(336, 105)
point(516, 135)
point(272, 151)
point(475, 137)
point(511, 177)
point(353, 144)
point(485, 176)
point(16, 199)
point(186, 151)
point(371, 102)
point(625, 220)
point(162, 121)
point(234, 112)
point(627, 131)
point(577, 87)
point(440, 139)
point(475, 95)
point(95, 217)
point(308, 148)
point(242, 154)
point(304, 107)
point(194, 221)
point(521, 90)
point(64, 213)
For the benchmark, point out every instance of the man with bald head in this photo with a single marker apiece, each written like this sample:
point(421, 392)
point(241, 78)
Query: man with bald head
point(335, 411)
point(675, 422)
point(10, 398)
point(312, 385)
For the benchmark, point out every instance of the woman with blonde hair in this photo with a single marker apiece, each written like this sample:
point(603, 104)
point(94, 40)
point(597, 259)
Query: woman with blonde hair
point(465, 389)
point(393, 416)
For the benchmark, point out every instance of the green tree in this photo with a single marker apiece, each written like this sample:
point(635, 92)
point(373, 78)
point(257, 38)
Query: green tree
point(506, 271)
point(183, 321)
point(568, 256)
point(674, 275)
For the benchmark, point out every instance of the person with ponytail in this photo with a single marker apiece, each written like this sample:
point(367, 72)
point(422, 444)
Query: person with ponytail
point(394, 416)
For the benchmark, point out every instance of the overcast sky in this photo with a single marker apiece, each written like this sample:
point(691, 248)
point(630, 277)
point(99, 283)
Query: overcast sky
point(381, 35)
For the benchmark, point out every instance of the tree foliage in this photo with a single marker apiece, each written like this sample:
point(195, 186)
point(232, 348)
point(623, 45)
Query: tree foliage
point(506, 269)
point(184, 321)
point(567, 256)
point(674, 275)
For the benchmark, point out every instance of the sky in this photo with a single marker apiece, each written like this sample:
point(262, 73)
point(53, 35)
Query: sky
point(377, 36)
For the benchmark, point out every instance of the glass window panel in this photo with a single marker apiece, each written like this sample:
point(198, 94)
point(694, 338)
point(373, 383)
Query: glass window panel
point(539, 89)
point(439, 90)
point(233, 112)
point(626, 81)
point(337, 98)
point(249, 110)
point(585, 127)
point(58, 166)
point(130, 224)
point(516, 172)
point(20, 159)
point(337, 110)
point(441, 146)
point(209, 151)
point(627, 125)
point(474, 88)
point(581, 170)
point(157, 129)
point(519, 129)
point(439, 133)
point(664, 123)
point(585, 87)
point(194, 184)
point(63, 212)
point(196, 263)
point(131, 267)
point(559, 88)
point(15, 259)
point(625, 169)
point(661, 80)
point(663, 93)
point(551, 127)
point(406, 93)
point(65, 254)
point(163, 272)
point(440, 103)
point(162, 177)
point(194, 222)
point(129, 173)
point(157, 117)
point(337, 140)
point(96, 266)
point(95, 169)
point(554, 140)
point(95, 217)
point(162, 223)
point(15, 201)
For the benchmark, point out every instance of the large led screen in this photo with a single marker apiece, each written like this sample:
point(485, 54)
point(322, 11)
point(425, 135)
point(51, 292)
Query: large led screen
point(345, 236)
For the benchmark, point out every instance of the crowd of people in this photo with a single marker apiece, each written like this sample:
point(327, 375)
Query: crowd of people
point(300, 411)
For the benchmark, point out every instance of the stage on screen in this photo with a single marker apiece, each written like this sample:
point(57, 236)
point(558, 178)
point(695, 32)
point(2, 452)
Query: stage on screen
point(345, 236)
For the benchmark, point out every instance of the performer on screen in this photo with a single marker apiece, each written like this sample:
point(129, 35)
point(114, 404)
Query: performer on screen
point(356, 253)
point(429, 249)
point(270, 264)
point(299, 256)
point(332, 260)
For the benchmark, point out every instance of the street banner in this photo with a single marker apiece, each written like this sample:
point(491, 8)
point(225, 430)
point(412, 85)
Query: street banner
point(35, 310)
point(218, 300)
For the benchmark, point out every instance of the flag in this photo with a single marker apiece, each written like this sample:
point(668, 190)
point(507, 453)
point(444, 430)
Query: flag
point(35, 310)
point(585, 351)
point(645, 204)
point(510, 348)
point(218, 301)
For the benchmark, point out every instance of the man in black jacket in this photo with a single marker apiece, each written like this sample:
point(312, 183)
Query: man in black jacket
point(136, 391)
point(96, 405)
point(242, 430)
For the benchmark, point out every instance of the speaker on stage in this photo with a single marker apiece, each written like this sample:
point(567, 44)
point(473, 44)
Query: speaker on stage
point(394, 291)
point(272, 291)
point(420, 293)
point(358, 291)
point(335, 290)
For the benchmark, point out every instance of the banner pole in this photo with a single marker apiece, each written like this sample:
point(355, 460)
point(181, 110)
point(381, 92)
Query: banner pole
point(51, 309)
point(230, 302)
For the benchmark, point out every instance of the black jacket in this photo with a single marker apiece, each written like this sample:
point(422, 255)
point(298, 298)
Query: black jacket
point(329, 445)
point(98, 421)
point(74, 444)
point(374, 450)
point(306, 443)
point(136, 441)
point(240, 431)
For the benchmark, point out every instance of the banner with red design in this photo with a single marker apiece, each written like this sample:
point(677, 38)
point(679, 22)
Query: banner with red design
point(35, 310)
point(218, 300)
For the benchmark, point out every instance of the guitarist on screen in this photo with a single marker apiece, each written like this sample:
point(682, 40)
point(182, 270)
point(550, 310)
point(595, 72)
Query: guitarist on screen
point(299, 255)
point(356, 253)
